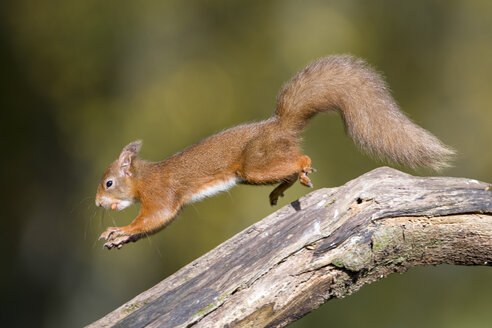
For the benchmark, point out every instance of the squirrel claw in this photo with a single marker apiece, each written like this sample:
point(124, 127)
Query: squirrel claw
point(108, 234)
point(309, 184)
point(308, 169)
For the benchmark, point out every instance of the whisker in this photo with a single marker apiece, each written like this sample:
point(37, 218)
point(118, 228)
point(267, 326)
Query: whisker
point(154, 246)
point(75, 207)
point(112, 218)
point(87, 224)
point(101, 222)
point(95, 242)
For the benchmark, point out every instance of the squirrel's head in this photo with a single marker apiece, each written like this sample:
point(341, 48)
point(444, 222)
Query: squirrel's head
point(117, 187)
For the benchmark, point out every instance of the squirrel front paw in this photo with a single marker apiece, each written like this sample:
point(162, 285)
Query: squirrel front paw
point(117, 237)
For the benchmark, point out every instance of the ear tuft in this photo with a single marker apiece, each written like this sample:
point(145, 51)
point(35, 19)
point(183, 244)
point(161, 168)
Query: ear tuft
point(127, 155)
point(133, 147)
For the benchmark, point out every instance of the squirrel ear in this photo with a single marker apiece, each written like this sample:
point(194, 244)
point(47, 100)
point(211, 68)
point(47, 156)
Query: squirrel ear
point(127, 155)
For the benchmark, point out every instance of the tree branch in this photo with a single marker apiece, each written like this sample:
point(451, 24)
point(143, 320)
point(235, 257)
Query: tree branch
point(326, 245)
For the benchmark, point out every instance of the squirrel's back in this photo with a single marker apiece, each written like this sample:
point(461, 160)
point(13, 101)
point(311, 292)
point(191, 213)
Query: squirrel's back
point(371, 116)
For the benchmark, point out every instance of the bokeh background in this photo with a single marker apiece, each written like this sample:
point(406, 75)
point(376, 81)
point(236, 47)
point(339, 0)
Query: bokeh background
point(80, 79)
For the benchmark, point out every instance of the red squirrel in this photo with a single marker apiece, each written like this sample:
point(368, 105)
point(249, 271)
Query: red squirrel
point(267, 152)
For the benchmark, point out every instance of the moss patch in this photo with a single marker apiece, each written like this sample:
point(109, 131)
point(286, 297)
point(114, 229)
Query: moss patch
point(211, 306)
point(130, 308)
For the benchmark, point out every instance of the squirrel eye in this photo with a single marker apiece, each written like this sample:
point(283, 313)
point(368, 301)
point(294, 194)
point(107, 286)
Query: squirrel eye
point(109, 183)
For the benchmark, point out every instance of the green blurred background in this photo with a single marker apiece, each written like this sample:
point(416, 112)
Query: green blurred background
point(83, 78)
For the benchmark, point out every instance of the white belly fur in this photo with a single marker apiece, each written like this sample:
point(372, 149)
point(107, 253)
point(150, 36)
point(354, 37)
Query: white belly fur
point(214, 189)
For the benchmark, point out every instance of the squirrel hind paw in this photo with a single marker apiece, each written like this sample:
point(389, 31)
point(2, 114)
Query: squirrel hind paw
point(304, 180)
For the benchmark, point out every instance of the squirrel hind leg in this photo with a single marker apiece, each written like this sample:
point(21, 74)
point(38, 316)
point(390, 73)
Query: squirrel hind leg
point(285, 169)
point(304, 168)
point(276, 169)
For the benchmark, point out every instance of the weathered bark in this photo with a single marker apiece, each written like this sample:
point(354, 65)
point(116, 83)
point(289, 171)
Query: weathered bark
point(326, 245)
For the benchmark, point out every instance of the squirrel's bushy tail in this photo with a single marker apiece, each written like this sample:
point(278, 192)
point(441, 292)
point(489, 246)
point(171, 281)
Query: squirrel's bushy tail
point(371, 116)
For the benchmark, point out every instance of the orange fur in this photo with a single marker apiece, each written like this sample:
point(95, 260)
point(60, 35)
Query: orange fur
point(267, 152)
